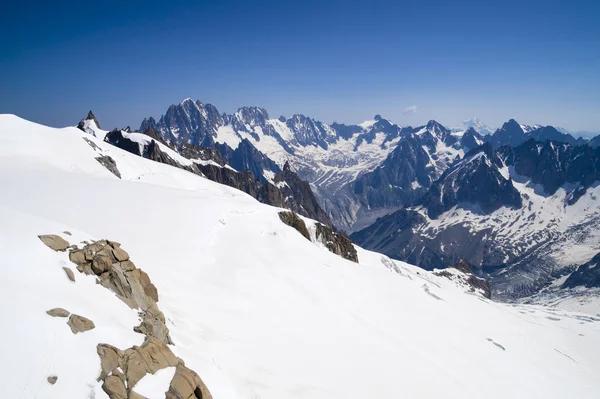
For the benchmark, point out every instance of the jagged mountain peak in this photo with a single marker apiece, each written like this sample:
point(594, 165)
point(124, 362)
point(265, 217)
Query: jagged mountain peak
point(476, 181)
point(90, 124)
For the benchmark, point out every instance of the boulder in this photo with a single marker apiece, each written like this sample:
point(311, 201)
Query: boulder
point(69, 273)
point(114, 387)
point(110, 358)
point(58, 312)
point(77, 257)
point(119, 253)
point(187, 384)
point(54, 242)
point(80, 324)
point(152, 356)
point(101, 264)
point(52, 379)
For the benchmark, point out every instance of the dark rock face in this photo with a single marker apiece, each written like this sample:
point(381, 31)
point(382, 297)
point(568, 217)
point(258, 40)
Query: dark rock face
point(307, 131)
point(299, 196)
point(189, 121)
point(512, 134)
point(337, 243)
point(552, 164)
point(393, 183)
point(395, 235)
point(586, 275)
point(594, 142)
point(476, 180)
point(109, 164)
point(292, 220)
point(471, 139)
point(470, 279)
point(247, 157)
point(116, 138)
point(91, 117)
point(193, 152)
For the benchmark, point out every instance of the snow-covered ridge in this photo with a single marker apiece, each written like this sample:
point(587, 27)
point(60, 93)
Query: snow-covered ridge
point(250, 302)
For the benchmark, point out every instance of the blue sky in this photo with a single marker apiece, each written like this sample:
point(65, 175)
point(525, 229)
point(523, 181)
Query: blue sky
point(535, 61)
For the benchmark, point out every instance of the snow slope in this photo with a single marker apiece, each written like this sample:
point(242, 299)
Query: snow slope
point(256, 309)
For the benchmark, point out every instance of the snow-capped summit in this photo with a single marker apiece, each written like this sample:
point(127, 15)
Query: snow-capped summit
point(478, 125)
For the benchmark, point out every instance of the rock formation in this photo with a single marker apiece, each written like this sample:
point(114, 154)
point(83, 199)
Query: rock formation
point(337, 243)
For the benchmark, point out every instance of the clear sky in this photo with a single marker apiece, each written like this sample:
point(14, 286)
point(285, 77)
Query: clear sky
point(410, 61)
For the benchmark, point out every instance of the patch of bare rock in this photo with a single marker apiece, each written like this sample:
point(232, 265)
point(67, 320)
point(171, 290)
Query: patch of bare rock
point(58, 312)
point(54, 242)
point(335, 242)
point(80, 324)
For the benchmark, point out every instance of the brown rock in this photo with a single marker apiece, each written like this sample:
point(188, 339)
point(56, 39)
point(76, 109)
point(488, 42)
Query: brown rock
point(101, 264)
point(77, 257)
point(153, 325)
point(69, 273)
point(58, 312)
point(293, 220)
point(187, 384)
point(52, 379)
point(109, 359)
point(67, 232)
point(85, 268)
point(135, 395)
point(54, 242)
point(152, 356)
point(80, 324)
point(114, 387)
point(120, 254)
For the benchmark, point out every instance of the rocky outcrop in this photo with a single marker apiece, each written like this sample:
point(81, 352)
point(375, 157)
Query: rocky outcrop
point(115, 271)
point(298, 196)
point(294, 221)
point(116, 138)
point(80, 324)
point(466, 278)
point(52, 379)
point(337, 243)
point(58, 312)
point(109, 164)
point(121, 370)
point(586, 275)
point(54, 242)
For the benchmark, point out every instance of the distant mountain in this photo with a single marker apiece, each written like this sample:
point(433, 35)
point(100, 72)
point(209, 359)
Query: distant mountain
point(330, 157)
point(512, 133)
point(478, 125)
point(521, 215)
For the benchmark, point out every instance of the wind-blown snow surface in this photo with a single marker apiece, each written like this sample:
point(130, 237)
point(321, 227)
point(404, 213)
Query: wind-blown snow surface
point(253, 307)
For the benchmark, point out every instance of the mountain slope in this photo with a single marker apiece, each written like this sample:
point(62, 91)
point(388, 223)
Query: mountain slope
point(523, 216)
point(250, 303)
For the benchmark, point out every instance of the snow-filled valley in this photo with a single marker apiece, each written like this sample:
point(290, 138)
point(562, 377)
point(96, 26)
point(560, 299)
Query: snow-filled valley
point(258, 311)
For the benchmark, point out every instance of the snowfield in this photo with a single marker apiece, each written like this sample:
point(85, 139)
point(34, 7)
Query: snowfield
point(258, 311)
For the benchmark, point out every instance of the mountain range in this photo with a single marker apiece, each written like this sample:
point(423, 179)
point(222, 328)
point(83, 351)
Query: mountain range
point(128, 273)
point(510, 202)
